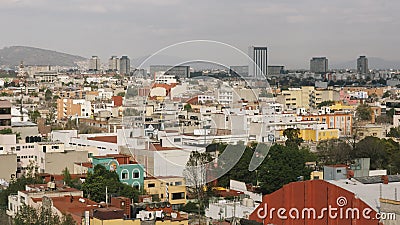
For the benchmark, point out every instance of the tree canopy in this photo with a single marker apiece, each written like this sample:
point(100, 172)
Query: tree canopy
point(364, 112)
point(96, 182)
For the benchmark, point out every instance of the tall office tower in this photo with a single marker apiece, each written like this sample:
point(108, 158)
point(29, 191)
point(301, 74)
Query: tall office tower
point(362, 65)
point(125, 65)
point(258, 67)
point(319, 65)
point(94, 63)
point(113, 63)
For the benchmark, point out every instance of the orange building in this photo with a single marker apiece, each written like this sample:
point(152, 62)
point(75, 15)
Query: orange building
point(341, 121)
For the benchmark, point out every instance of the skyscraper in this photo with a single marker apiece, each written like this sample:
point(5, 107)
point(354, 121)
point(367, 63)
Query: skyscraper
point(258, 66)
point(125, 65)
point(113, 63)
point(94, 63)
point(319, 65)
point(362, 65)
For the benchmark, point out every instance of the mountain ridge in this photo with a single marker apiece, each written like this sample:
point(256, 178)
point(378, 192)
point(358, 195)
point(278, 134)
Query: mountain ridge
point(13, 55)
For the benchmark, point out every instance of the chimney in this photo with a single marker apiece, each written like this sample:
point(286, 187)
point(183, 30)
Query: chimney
point(385, 179)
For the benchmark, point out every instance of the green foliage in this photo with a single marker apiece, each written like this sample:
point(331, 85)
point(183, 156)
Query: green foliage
point(6, 131)
point(15, 186)
point(28, 215)
point(325, 103)
point(376, 149)
point(34, 115)
point(293, 139)
point(48, 95)
point(190, 207)
point(122, 94)
point(334, 151)
point(364, 112)
point(96, 182)
point(394, 132)
point(187, 107)
point(282, 165)
point(387, 94)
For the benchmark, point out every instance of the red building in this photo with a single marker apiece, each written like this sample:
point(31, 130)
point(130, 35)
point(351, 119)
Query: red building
point(314, 202)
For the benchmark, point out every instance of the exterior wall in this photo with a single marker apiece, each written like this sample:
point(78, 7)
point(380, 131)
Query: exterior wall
point(176, 185)
point(5, 114)
point(131, 170)
point(56, 162)
point(8, 166)
point(374, 131)
point(317, 175)
point(343, 122)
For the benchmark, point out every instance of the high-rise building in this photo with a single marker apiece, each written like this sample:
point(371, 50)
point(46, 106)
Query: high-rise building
point(125, 65)
point(178, 71)
point(362, 65)
point(258, 66)
point(94, 63)
point(319, 65)
point(113, 63)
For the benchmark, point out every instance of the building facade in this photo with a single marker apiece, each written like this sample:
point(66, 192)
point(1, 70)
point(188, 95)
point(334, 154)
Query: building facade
point(258, 67)
point(319, 65)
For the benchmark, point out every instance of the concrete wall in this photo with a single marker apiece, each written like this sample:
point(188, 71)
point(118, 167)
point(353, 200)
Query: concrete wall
point(8, 166)
point(57, 161)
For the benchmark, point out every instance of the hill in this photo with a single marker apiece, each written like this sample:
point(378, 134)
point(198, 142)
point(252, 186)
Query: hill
point(12, 56)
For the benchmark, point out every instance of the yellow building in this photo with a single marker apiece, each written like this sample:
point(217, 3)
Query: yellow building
point(341, 107)
point(369, 130)
point(321, 95)
point(317, 175)
point(173, 184)
point(319, 135)
point(296, 97)
point(315, 135)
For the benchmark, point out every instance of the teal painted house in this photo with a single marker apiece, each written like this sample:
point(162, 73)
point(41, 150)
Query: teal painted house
point(129, 172)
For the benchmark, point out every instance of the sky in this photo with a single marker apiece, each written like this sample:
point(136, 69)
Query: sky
point(294, 30)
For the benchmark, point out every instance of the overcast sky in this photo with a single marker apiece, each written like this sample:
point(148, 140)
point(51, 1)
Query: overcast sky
point(294, 30)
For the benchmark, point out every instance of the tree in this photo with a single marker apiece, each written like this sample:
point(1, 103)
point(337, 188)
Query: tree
point(364, 112)
point(373, 148)
point(394, 132)
point(48, 95)
point(34, 115)
point(334, 151)
point(387, 94)
point(122, 94)
point(284, 164)
point(15, 186)
point(195, 174)
point(187, 107)
point(96, 182)
point(325, 103)
point(292, 137)
point(28, 215)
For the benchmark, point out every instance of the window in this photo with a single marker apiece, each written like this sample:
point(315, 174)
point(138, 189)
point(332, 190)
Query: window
point(151, 185)
point(338, 171)
point(1, 148)
point(177, 140)
point(18, 148)
point(136, 174)
point(316, 177)
point(55, 147)
point(179, 195)
point(124, 175)
point(178, 183)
